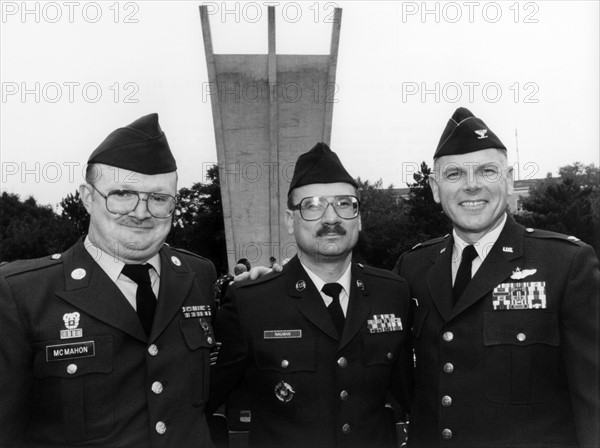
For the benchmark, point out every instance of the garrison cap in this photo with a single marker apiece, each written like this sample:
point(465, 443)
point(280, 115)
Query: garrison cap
point(140, 146)
point(320, 165)
point(466, 133)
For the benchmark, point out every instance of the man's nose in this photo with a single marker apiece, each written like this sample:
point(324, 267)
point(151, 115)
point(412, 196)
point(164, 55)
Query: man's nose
point(141, 210)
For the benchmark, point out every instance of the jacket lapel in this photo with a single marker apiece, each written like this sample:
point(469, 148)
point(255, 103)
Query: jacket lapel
point(176, 280)
point(496, 267)
point(358, 306)
point(439, 279)
point(88, 288)
point(311, 303)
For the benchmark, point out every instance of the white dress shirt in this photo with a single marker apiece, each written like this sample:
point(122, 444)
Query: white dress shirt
point(482, 247)
point(344, 280)
point(113, 267)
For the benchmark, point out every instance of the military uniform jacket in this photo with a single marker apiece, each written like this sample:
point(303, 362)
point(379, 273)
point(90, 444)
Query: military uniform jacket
point(309, 387)
point(98, 380)
point(515, 362)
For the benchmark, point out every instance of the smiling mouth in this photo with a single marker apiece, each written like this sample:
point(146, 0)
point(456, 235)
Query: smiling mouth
point(473, 204)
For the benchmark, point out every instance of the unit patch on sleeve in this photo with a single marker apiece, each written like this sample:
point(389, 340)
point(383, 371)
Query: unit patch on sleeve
point(520, 296)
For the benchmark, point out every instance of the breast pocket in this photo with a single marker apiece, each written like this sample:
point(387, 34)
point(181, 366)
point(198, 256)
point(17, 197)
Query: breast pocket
point(199, 337)
point(379, 352)
point(521, 355)
point(74, 386)
point(287, 380)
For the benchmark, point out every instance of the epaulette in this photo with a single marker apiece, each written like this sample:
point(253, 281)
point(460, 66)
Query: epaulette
point(547, 234)
point(381, 273)
point(21, 266)
point(187, 252)
point(429, 242)
point(262, 279)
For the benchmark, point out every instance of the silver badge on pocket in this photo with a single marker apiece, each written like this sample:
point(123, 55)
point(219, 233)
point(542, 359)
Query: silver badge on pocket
point(284, 392)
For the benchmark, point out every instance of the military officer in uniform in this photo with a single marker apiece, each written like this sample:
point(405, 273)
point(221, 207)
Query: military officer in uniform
point(506, 320)
point(321, 343)
point(107, 344)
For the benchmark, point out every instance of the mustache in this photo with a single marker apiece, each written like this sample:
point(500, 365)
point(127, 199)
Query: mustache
point(134, 222)
point(331, 228)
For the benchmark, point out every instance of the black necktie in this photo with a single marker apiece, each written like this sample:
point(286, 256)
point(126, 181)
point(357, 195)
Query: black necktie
point(335, 309)
point(463, 275)
point(144, 297)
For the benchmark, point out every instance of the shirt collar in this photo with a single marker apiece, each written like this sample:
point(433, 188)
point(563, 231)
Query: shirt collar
point(483, 245)
point(110, 264)
point(344, 280)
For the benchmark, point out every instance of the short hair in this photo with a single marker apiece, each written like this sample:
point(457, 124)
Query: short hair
point(239, 269)
point(245, 262)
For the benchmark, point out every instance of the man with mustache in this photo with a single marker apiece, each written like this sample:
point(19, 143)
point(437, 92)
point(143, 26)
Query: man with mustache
point(506, 324)
point(322, 343)
point(107, 344)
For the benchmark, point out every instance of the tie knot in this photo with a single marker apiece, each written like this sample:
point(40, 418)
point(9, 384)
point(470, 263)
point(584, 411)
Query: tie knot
point(332, 289)
point(469, 253)
point(139, 273)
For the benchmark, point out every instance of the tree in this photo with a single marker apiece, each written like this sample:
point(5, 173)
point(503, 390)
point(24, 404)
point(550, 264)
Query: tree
point(569, 204)
point(74, 211)
point(426, 216)
point(198, 222)
point(382, 224)
point(30, 230)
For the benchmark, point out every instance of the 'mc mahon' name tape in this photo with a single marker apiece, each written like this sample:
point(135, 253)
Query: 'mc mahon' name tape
point(70, 351)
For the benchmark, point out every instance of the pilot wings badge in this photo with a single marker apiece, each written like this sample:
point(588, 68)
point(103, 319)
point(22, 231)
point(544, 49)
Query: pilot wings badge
point(519, 274)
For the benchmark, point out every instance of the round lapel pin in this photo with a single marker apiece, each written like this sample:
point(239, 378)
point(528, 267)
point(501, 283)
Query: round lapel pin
point(300, 285)
point(78, 274)
point(360, 285)
point(176, 261)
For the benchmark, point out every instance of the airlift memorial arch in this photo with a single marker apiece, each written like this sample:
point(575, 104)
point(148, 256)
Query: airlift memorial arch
point(267, 110)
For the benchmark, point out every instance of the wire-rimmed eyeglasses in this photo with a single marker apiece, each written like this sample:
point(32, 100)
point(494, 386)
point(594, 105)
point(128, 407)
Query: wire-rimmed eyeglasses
point(123, 202)
point(313, 208)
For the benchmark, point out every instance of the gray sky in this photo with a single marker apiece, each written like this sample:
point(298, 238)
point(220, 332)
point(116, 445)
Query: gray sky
point(71, 72)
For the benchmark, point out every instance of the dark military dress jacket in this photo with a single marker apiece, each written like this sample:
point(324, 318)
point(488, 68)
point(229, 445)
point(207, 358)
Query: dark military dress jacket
point(77, 367)
point(516, 362)
point(310, 387)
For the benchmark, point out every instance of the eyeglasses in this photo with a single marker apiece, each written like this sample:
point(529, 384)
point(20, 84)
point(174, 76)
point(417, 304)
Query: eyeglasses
point(123, 202)
point(314, 207)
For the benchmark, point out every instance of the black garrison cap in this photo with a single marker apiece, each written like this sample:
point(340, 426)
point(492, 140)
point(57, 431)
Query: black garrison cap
point(320, 165)
point(466, 133)
point(141, 147)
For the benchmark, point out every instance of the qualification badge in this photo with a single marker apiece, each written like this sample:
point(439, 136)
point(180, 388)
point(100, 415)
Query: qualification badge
point(71, 321)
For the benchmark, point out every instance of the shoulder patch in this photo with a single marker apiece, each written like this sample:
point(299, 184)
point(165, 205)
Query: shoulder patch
point(22, 266)
point(547, 234)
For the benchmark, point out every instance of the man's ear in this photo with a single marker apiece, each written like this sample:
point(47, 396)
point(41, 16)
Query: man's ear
point(289, 221)
point(86, 193)
point(434, 189)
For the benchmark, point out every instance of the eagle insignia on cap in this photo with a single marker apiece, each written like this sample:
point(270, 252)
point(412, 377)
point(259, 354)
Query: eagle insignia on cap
point(481, 133)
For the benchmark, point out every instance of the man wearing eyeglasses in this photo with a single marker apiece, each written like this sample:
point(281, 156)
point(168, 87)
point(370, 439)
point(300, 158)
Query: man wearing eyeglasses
point(107, 344)
point(322, 343)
